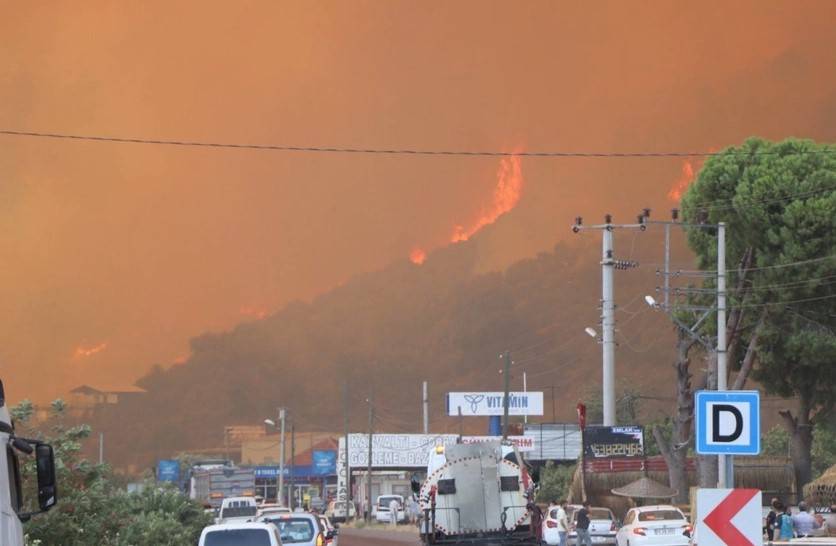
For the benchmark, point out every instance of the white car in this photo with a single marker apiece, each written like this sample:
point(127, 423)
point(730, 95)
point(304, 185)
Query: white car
point(654, 525)
point(237, 509)
point(602, 526)
point(337, 511)
point(232, 534)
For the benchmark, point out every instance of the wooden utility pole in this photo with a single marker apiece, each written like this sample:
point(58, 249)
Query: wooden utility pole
point(292, 495)
point(505, 401)
point(347, 465)
point(369, 470)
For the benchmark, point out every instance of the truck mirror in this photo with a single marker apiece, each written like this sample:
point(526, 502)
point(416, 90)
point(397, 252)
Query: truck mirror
point(47, 490)
point(416, 485)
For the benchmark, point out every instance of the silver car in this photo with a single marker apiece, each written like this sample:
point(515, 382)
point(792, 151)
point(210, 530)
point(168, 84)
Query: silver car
point(298, 528)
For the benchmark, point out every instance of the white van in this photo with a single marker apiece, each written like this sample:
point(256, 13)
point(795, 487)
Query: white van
point(240, 534)
point(238, 510)
point(383, 514)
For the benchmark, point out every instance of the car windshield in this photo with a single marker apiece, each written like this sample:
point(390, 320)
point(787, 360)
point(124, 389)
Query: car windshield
point(238, 537)
point(660, 515)
point(600, 513)
point(294, 529)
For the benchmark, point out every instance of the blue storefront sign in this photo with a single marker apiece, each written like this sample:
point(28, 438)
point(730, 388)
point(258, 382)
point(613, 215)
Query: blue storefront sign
point(168, 470)
point(324, 462)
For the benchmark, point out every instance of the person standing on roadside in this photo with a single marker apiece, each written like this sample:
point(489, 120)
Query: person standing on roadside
point(803, 522)
point(772, 518)
point(562, 523)
point(785, 523)
point(394, 506)
point(582, 526)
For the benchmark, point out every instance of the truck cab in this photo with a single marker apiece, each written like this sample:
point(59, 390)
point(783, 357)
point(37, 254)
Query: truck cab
point(11, 493)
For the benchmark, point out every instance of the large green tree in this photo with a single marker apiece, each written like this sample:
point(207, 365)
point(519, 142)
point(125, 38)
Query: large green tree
point(93, 509)
point(778, 201)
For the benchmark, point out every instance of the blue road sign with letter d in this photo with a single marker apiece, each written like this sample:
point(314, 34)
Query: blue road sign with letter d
point(728, 422)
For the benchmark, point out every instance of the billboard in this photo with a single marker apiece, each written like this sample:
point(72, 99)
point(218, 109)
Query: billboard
point(168, 470)
point(601, 442)
point(524, 444)
point(492, 403)
point(324, 462)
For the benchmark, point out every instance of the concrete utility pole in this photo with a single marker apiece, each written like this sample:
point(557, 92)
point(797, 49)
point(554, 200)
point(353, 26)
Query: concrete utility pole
point(101, 448)
point(369, 471)
point(725, 473)
point(725, 465)
point(282, 414)
point(347, 465)
point(506, 371)
point(426, 406)
point(608, 323)
point(525, 390)
point(608, 265)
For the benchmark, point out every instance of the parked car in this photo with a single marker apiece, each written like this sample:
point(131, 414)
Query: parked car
point(654, 525)
point(237, 509)
point(551, 535)
point(298, 528)
point(602, 526)
point(238, 534)
point(382, 514)
point(317, 504)
point(336, 511)
point(330, 531)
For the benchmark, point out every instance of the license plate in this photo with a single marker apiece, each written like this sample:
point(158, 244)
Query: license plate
point(599, 539)
point(665, 531)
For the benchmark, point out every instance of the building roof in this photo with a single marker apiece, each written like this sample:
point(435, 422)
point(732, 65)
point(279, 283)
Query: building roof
point(108, 389)
point(645, 488)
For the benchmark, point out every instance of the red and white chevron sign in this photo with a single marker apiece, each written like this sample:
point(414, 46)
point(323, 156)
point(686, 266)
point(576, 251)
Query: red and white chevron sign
point(729, 517)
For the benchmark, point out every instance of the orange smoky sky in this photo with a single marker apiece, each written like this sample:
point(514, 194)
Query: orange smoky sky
point(141, 247)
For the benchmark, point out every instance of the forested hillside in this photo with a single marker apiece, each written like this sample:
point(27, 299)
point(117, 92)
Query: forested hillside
point(392, 329)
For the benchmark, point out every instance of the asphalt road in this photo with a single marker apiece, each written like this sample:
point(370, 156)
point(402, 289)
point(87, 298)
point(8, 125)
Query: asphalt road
point(364, 537)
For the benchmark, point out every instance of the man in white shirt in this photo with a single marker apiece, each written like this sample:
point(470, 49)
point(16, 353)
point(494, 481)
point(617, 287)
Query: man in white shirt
point(394, 505)
point(562, 523)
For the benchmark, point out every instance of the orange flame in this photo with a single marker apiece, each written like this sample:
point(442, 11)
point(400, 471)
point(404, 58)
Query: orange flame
point(506, 195)
point(83, 352)
point(257, 313)
point(682, 183)
point(417, 256)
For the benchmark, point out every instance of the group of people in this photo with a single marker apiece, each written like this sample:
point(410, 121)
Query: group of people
point(581, 525)
point(782, 524)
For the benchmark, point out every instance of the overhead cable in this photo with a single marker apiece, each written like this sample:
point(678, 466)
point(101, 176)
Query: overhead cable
point(395, 151)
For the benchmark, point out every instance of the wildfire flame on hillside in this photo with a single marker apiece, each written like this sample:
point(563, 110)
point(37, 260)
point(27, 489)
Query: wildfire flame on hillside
point(506, 195)
point(417, 256)
point(83, 352)
point(257, 313)
point(685, 178)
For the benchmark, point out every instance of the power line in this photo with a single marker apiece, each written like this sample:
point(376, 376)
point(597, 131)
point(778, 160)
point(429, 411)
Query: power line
point(762, 268)
point(393, 151)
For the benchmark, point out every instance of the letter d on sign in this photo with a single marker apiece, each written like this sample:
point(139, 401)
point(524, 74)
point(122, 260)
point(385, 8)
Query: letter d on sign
point(717, 414)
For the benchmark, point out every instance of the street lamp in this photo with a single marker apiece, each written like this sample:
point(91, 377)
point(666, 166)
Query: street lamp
point(651, 301)
point(590, 332)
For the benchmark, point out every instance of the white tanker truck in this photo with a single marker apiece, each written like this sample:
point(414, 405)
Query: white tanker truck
point(478, 494)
